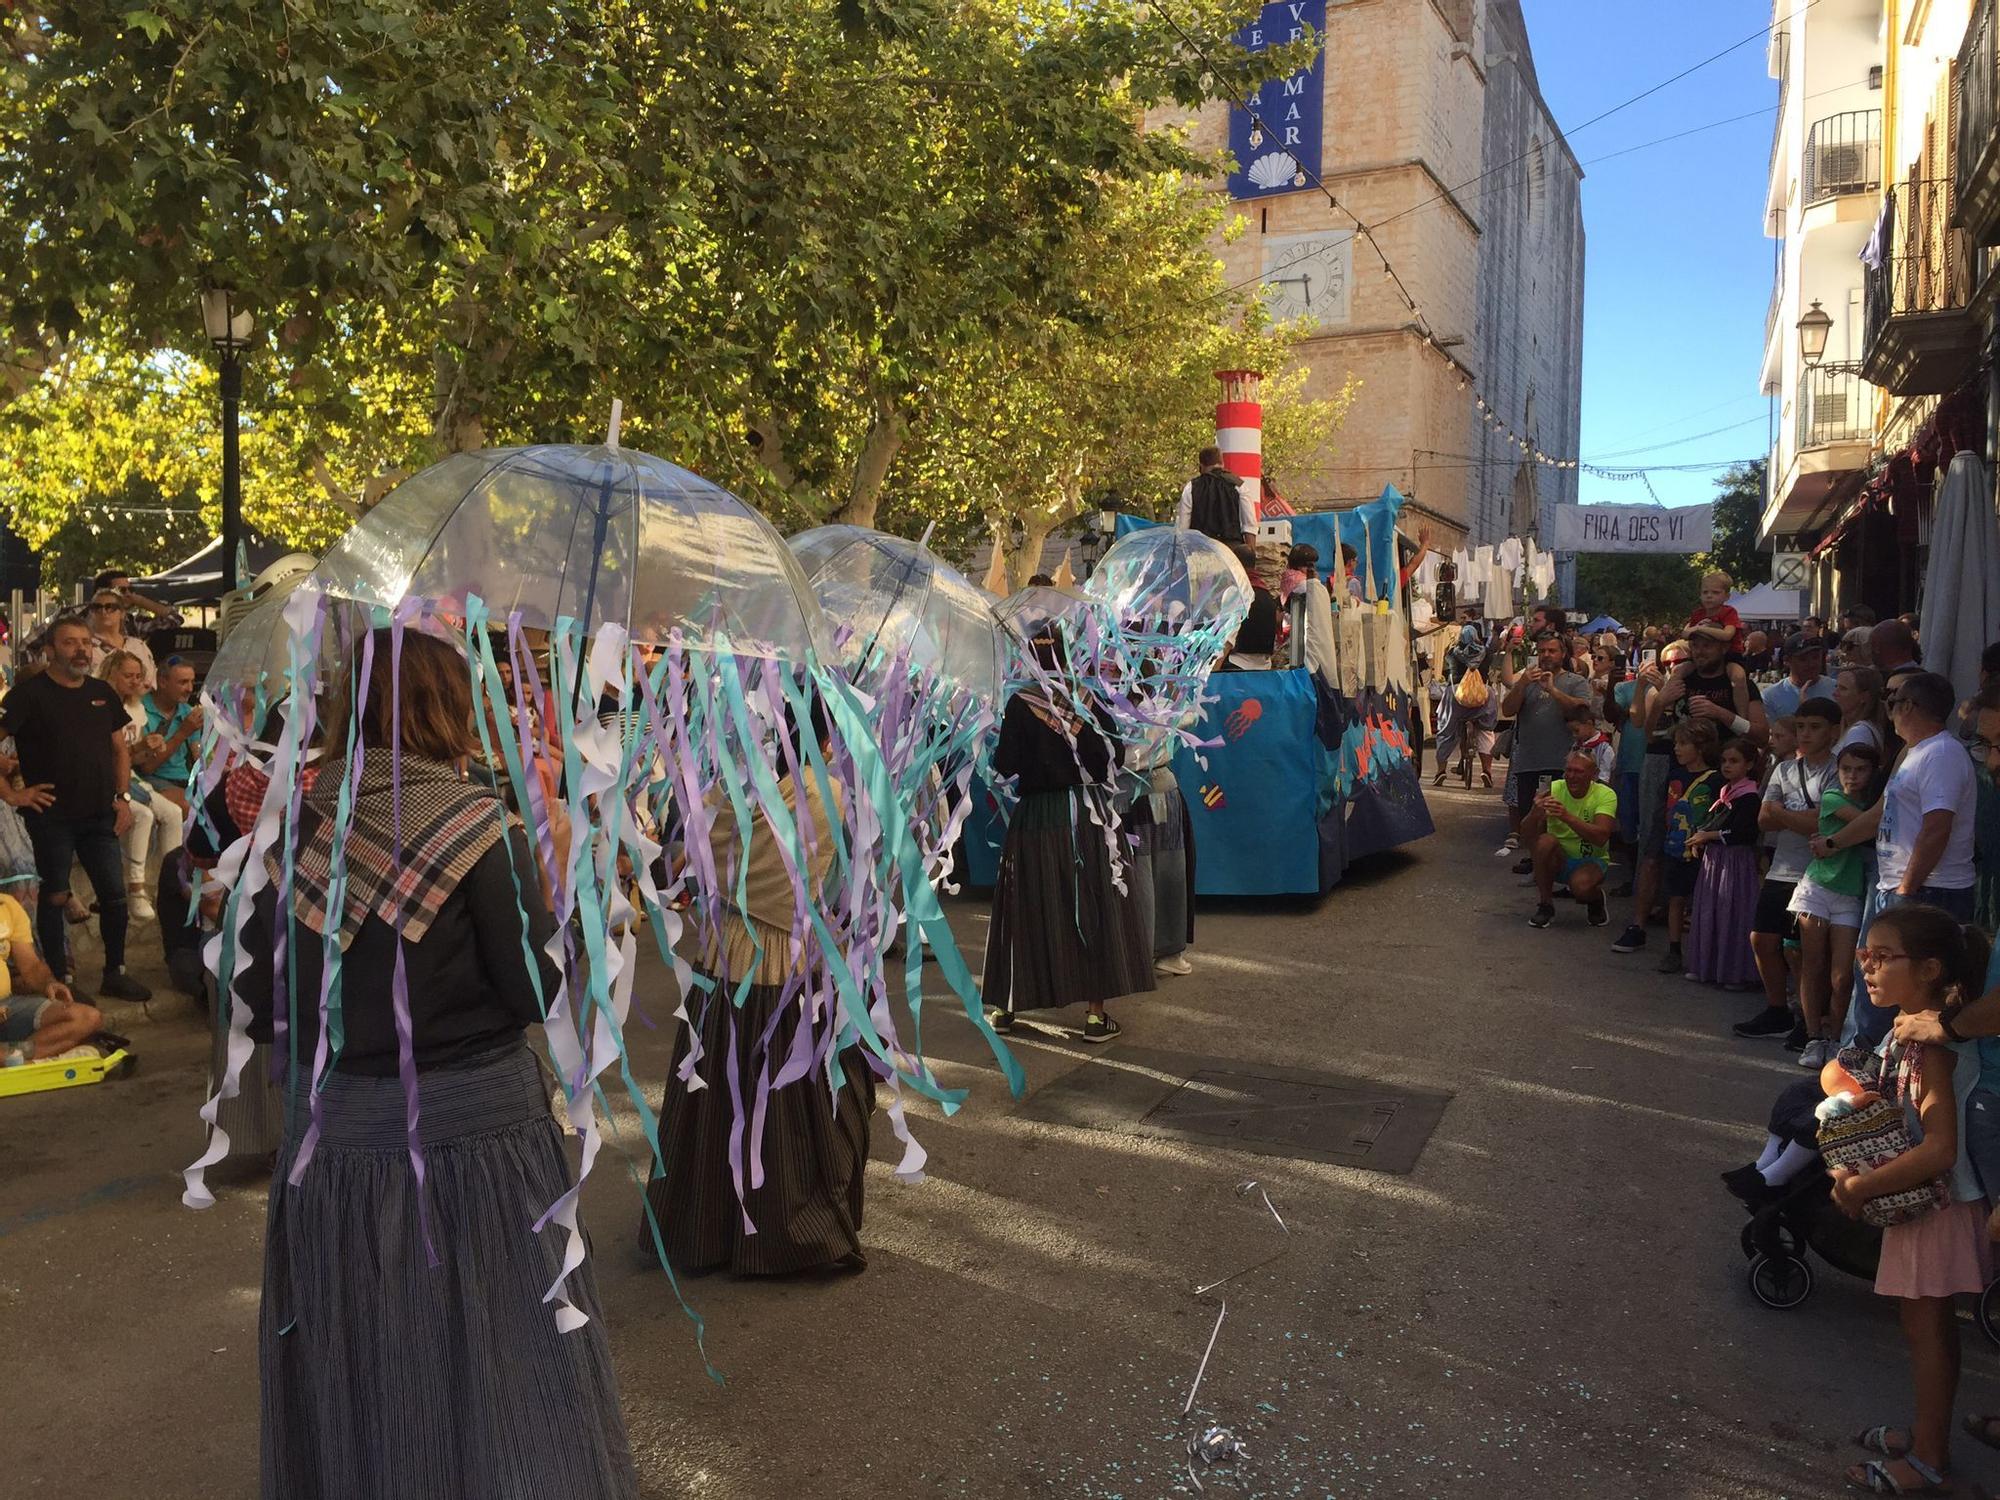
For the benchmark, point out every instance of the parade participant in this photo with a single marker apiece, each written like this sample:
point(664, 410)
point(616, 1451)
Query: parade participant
point(1215, 502)
point(69, 728)
point(1468, 710)
point(1580, 813)
point(385, 1290)
point(716, 1207)
point(1062, 932)
point(1924, 964)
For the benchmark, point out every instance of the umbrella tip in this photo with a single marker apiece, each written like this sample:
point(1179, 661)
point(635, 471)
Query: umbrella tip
point(617, 417)
point(925, 539)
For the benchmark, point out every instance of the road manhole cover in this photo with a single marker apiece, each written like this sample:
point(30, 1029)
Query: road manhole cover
point(1273, 1111)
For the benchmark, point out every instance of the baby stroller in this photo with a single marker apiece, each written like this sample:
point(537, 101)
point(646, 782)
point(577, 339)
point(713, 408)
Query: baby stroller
point(1801, 1218)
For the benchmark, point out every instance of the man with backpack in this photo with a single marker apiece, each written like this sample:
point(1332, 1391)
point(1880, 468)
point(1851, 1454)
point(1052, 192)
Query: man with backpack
point(1215, 502)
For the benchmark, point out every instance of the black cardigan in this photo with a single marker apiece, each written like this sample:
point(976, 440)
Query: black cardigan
point(469, 986)
point(1044, 761)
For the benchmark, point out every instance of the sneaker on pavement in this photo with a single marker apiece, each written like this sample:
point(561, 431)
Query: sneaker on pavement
point(1524, 866)
point(1772, 1020)
point(1816, 1053)
point(1631, 940)
point(1000, 1020)
point(1513, 843)
point(1671, 961)
point(119, 985)
point(140, 906)
point(1175, 964)
point(1596, 912)
point(1099, 1028)
point(1544, 914)
point(1797, 1039)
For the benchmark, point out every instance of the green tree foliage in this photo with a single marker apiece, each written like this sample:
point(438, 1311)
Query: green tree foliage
point(794, 236)
point(1739, 508)
point(1636, 590)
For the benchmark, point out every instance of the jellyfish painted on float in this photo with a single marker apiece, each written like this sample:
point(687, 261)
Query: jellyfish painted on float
point(1179, 598)
point(650, 691)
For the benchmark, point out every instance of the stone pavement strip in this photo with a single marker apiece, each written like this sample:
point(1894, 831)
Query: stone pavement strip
point(1551, 1302)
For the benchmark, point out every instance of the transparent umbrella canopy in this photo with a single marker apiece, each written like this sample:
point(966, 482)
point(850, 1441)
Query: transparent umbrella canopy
point(1165, 578)
point(595, 534)
point(885, 598)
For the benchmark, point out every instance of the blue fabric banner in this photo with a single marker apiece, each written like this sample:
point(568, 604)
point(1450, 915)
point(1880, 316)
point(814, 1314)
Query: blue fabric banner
point(1369, 529)
point(1291, 109)
point(1258, 803)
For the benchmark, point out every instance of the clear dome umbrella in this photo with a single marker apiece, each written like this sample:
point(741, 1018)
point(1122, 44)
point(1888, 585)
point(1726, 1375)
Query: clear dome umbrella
point(645, 655)
point(921, 641)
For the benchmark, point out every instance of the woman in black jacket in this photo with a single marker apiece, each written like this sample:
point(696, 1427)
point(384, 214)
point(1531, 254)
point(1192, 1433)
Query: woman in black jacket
point(407, 1338)
point(1063, 931)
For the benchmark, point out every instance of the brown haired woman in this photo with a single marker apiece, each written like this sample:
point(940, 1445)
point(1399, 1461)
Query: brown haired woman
point(385, 1369)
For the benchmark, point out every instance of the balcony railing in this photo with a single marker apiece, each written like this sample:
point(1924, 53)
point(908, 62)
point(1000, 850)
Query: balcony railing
point(1917, 336)
point(1777, 302)
point(1781, 50)
point(1833, 407)
point(1978, 144)
point(1843, 156)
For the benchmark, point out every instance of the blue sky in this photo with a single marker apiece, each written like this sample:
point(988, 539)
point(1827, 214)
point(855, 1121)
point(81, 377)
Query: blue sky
point(1678, 272)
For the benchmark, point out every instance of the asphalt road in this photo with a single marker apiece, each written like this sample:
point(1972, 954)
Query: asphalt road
point(1551, 1303)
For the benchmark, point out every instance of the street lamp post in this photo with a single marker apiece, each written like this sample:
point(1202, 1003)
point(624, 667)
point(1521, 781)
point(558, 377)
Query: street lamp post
point(1814, 325)
point(229, 328)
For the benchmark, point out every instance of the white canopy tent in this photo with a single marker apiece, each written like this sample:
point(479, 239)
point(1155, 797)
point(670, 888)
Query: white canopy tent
point(1766, 603)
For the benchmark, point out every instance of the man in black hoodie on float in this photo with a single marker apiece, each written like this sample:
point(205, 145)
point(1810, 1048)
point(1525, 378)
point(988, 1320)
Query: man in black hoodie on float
point(1214, 503)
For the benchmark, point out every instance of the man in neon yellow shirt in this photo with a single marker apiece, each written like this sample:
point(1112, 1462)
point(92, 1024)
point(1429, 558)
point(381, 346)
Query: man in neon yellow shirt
point(1580, 813)
point(35, 1027)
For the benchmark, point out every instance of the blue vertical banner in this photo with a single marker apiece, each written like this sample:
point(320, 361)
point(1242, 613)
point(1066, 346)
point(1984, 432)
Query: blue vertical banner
point(1273, 158)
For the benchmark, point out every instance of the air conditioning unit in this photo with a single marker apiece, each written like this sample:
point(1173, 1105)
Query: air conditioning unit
point(1843, 164)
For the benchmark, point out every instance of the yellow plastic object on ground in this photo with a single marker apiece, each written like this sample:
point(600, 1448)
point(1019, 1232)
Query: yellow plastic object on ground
point(64, 1072)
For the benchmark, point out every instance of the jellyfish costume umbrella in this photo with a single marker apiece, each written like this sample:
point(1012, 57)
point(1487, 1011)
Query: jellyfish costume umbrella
point(921, 644)
point(1179, 598)
point(661, 646)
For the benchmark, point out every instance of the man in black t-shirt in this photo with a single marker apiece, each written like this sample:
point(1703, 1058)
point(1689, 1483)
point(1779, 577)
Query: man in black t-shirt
point(69, 732)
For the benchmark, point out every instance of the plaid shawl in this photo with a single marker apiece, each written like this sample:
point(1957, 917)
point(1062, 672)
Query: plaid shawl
point(448, 825)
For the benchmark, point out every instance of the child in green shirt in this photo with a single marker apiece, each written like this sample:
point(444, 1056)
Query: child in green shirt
point(1828, 901)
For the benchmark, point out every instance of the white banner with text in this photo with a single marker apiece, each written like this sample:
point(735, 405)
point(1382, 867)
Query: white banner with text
point(1634, 528)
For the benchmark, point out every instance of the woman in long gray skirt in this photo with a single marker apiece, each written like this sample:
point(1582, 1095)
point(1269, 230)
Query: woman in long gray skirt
point(713, 1212)
point(387, 1370)
point(1062, 934)
point(1163, 863)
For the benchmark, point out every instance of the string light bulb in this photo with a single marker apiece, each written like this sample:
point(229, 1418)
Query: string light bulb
point(1256, 136)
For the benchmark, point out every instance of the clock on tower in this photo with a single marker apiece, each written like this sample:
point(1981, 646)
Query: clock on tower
point(1306, 276)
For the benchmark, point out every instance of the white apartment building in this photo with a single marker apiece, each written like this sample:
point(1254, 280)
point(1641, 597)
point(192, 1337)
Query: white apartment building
point(1824, 198)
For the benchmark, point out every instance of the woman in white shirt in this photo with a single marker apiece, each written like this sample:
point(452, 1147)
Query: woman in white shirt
point(1858, 691)
point(152, 817)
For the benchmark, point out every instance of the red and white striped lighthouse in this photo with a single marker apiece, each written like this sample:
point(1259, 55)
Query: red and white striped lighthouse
point(1239, 430)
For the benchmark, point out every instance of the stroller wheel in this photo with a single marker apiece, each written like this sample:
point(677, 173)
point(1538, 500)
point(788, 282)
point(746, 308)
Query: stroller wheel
point(1989, 1311)
point(1781, 1282)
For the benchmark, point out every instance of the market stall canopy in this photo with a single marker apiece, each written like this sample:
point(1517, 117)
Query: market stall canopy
point(198, 578)
point(1767, 603)
point(1601, 624)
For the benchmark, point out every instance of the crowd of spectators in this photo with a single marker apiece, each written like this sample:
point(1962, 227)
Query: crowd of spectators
point(97, 739)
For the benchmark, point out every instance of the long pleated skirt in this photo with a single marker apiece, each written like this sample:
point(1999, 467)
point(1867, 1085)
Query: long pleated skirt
point(388, 1377)
point(1062, 933)
point(758, 1181)
point(1725, 903)
point(1163, 866)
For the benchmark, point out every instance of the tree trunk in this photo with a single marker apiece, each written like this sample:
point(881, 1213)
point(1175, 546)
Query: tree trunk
point(886, 432)
point(1026, 560)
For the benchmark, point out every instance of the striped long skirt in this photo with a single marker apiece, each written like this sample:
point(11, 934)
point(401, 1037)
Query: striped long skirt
point(1163, 864)
point(389, 1377)
point(758, 1181)
point(1062, 933)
